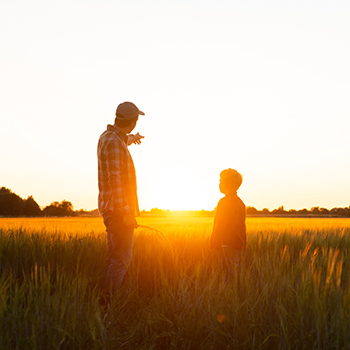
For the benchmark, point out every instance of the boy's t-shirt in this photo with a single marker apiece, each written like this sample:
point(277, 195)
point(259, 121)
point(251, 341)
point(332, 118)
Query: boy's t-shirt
point(229, 223)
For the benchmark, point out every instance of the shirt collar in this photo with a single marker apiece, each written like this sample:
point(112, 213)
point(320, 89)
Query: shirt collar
point(119, 133)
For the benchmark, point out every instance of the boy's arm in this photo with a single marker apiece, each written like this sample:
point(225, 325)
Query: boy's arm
point(214, 239)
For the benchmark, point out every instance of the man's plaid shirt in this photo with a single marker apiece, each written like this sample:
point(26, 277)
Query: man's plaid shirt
point(116, 174)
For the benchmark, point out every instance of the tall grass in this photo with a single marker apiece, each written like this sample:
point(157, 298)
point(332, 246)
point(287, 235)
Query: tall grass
point(291, 292)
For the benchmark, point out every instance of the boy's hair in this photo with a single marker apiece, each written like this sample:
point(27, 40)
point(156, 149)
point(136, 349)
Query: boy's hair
point(230, 180)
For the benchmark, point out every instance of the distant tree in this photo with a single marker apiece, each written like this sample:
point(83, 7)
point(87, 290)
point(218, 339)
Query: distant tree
point(64, 208)
point(10, 203)
point(31, 207)
point(251, 210)
point(94, 212)
point(67, 207)
point(315, 210)
point(347, 211)
point(280, 210)
point(52, 210)
point(340, 211)
point(157, 211)
point(265, 211)
point(324, 211)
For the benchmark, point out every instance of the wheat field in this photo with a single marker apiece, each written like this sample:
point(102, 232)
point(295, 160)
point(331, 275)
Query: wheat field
point(291, 292)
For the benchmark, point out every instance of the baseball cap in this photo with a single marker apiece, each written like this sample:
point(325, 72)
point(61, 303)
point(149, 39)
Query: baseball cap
point(127, 111)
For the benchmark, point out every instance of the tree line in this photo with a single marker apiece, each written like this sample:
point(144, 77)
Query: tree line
point(314, 211)
point(251, 211)
point(13, 205)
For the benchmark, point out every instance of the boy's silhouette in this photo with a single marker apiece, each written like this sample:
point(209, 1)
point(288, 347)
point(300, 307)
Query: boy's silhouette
point(229, 230)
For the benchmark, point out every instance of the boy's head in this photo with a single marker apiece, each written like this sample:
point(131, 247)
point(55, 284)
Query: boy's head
point(230, 181)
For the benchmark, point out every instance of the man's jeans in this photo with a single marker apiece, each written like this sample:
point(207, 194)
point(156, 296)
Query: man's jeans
point(119, 250)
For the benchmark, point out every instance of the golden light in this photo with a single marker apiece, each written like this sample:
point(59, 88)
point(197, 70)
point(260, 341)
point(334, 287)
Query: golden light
point(178, 188)
point(220, 318)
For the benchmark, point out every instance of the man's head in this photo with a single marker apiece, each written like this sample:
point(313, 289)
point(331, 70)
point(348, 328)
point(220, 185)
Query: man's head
point(230, 181)
point(126, 115)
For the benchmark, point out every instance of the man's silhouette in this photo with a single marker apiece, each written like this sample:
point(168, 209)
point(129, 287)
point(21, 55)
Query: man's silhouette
point(117, 200)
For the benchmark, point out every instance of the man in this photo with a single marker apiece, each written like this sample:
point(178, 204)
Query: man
point(117, 200)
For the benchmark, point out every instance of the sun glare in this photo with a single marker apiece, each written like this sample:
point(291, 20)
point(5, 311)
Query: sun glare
point(178, 188)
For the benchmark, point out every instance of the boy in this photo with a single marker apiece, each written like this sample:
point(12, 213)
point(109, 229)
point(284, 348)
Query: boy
point(229, 231)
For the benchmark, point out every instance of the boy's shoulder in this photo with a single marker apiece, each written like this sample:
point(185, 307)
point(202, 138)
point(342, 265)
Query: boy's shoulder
point(231, 199)
point(240, 199)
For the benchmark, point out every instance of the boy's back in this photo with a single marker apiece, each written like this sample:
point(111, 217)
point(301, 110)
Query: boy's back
point(229, 223)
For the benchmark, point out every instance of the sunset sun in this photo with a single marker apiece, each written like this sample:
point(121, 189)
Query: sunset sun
point(178, 188)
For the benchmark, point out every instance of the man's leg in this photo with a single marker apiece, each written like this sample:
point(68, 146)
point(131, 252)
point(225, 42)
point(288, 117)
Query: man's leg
point(119, 251)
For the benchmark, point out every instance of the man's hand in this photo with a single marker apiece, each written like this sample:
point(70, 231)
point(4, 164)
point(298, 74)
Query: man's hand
point(135, 138)
point(129, 220)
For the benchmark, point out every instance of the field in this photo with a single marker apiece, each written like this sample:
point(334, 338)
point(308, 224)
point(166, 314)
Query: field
point(291, 292)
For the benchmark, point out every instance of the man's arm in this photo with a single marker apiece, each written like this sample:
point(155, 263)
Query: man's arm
point(134, 139)
point(115, 164)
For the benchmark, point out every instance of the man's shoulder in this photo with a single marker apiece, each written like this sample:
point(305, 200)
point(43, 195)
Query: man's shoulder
point(103, 135)
point(109, 136)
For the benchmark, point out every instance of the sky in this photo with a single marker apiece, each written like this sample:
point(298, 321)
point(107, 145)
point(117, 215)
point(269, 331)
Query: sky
point(259, 86)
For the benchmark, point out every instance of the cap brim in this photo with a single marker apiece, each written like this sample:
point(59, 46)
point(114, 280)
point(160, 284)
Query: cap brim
point(141, 113)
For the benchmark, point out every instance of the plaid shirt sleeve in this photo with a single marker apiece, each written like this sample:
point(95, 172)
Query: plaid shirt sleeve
point(115, 162)
point(112, 167)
